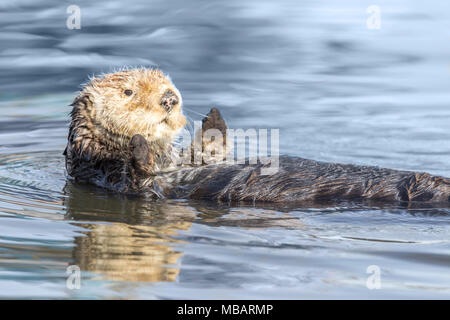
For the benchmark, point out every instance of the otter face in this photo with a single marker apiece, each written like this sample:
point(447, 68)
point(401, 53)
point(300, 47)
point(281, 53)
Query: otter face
point(139, 101)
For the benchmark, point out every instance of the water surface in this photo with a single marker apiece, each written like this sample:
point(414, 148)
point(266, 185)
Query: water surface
point(337, 91)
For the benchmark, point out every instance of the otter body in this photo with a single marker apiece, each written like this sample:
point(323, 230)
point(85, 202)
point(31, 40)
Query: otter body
point(299, 180)
point(121, 138)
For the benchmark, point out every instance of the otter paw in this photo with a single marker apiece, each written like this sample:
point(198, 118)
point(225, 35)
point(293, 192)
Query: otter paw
point(214, 120)
point(139, 151)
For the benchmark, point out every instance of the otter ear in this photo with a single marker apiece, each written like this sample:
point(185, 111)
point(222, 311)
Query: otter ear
point(80, 99)
point(76, 101)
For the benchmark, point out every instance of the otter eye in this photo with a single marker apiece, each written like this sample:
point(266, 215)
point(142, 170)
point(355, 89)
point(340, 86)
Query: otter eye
point(128, 92)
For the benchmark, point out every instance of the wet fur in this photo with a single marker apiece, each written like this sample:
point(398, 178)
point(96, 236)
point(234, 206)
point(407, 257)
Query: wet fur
point(100, 149)
point(121, 148)
point(302, 180)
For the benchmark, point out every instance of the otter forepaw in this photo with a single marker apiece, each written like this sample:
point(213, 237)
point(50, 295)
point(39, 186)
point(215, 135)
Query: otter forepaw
point(214, 147)
point(140, 154)
point(214, 120)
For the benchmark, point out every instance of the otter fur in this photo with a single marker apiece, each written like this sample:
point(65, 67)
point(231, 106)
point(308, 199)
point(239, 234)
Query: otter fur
point(121, 138)
point(123, 126)
point(301, 180)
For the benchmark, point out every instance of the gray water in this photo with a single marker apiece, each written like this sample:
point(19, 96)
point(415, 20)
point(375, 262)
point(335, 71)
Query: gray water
point(337, 91)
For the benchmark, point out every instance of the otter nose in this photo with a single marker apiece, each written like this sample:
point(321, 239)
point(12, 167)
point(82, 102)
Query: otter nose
point(168, 100)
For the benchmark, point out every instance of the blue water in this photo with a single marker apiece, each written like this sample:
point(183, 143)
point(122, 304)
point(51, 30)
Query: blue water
point(337, 91)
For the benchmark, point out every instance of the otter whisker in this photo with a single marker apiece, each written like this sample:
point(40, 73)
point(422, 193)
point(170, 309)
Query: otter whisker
point(193, 111)
point(189, 124)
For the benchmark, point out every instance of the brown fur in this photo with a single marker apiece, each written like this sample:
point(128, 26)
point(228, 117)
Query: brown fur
point(302, 180)
point(205, 150)
point(124, 143)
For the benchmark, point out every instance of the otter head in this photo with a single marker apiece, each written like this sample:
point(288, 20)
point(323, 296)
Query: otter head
point(139, 101)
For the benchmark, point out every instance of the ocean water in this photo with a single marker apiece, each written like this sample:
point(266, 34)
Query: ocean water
point(336, 89)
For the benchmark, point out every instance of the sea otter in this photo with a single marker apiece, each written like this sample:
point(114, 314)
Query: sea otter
point(123, 125)
point(121, 138)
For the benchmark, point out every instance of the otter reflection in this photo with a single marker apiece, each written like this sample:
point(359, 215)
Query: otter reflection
point(134, 239)
point(128, 239)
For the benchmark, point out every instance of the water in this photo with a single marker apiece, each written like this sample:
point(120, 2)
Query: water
point(338, 92)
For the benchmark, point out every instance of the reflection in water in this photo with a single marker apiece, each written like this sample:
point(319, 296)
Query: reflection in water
point(132, 239)
point(130, 253)
point(137, 244)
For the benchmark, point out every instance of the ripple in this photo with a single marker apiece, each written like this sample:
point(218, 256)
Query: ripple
point(337, 91)
point(31, 184)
